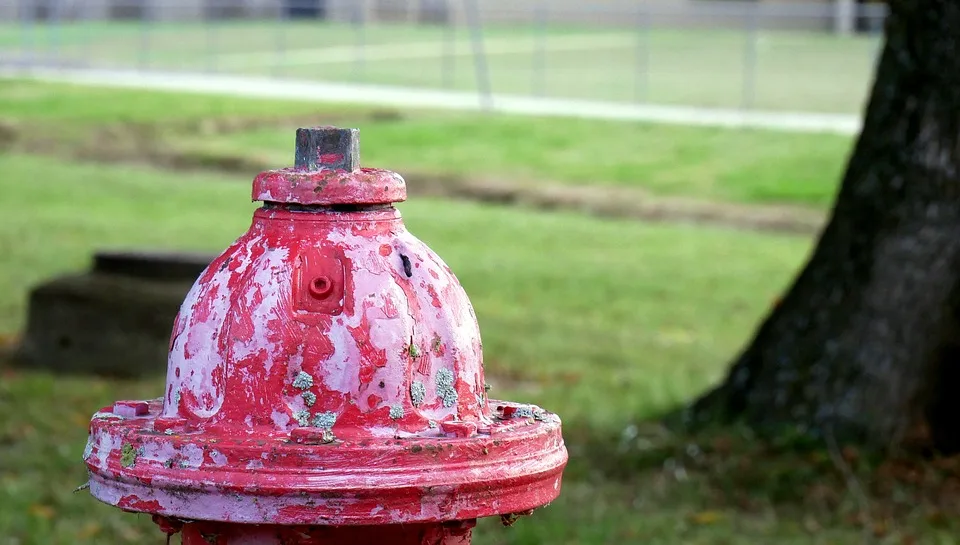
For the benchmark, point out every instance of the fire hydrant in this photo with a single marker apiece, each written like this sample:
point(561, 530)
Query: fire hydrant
point(325, 384)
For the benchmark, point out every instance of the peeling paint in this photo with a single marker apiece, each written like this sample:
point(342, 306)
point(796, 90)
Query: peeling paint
point(88, 450)
point(280, 419)
point(218, 458)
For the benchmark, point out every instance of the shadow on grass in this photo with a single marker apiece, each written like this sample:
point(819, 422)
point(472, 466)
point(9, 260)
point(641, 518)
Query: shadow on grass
point(732, 469)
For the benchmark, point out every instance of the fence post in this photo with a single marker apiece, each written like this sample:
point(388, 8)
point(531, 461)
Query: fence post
point(145, 20)
point(281, 38)
point(28, 38)
point(210, 24)
point(479, 56)
point(541, 17)
point(56, 6)
point(448, 56)
point(751, 24)
point(642, 68)
point(359, 20)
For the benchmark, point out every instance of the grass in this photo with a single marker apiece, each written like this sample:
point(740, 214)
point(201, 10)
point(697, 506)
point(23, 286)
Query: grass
point(609, 323)
point(738, 166)
point(780, 70)
point(611, 267)
point(574, 313)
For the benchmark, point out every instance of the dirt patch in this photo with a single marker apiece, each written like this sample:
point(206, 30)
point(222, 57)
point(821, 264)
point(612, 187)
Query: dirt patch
point(620, 203)
point(141, 143)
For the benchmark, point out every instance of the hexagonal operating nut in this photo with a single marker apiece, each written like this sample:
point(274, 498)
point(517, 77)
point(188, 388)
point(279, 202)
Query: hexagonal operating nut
point(328, 148)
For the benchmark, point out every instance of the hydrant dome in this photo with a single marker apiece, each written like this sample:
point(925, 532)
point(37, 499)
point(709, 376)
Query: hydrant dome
point(330, 328)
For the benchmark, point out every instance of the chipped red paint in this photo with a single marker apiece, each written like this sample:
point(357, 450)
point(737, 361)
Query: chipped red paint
point(326, 370)
point(364, 186)
point(133, 503)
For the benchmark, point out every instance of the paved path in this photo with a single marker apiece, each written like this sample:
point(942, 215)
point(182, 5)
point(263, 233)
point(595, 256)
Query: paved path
point(402, 97)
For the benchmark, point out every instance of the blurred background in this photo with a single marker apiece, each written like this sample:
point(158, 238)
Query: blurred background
point(806, 56)
point(624, 188)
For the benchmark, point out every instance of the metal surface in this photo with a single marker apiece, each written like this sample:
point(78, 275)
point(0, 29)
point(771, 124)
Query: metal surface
point(325, 370)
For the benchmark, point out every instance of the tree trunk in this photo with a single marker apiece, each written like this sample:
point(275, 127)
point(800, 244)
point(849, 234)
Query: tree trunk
point(866, 343)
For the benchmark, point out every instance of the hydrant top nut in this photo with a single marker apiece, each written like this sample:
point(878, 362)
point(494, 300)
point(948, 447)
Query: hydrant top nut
point(327, 172)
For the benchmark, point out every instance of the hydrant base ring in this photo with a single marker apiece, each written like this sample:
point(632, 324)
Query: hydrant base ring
point(512, 466)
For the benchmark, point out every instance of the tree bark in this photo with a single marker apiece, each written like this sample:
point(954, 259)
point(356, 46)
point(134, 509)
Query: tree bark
point(866, 342)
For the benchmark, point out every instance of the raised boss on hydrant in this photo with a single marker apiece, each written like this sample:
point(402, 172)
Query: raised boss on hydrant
point(325, 384)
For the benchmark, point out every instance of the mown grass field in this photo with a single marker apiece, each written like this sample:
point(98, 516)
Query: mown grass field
point(781, 70)
point(609, 323)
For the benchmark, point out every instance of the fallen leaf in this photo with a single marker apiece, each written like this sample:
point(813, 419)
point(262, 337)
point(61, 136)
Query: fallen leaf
point(706, 517)
point(9, 340)
point(88, 531)
point(722, 445)
point(81, 420)
point(811, 524)
point(42, 511)
point(850, 454)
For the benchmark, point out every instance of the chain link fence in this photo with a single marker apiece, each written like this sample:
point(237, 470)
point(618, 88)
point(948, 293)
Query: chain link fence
point(760, 55)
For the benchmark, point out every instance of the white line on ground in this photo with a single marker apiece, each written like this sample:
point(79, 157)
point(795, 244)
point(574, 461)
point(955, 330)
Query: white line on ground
point(433, 99)
point(419, 50)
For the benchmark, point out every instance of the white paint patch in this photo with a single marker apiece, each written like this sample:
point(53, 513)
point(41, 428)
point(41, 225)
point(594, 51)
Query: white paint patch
point(218, 458)
point(106, 443)
point(280, 419)
point(271, 278)
point(157, 451)
point(88, 449)
point(192, 456)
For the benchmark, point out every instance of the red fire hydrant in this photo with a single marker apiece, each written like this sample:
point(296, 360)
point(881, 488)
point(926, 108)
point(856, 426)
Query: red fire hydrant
point(325, 384)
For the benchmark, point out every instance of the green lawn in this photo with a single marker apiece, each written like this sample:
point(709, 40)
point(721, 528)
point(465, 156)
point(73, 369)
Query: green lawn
point(574, 311)
point(713, 164)
point(606, 322)
point(791, 70)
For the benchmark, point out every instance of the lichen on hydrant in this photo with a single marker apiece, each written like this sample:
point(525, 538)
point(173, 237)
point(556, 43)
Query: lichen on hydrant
point(325, 384)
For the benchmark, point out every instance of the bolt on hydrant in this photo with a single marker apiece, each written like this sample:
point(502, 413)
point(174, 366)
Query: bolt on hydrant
point(325, 384)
